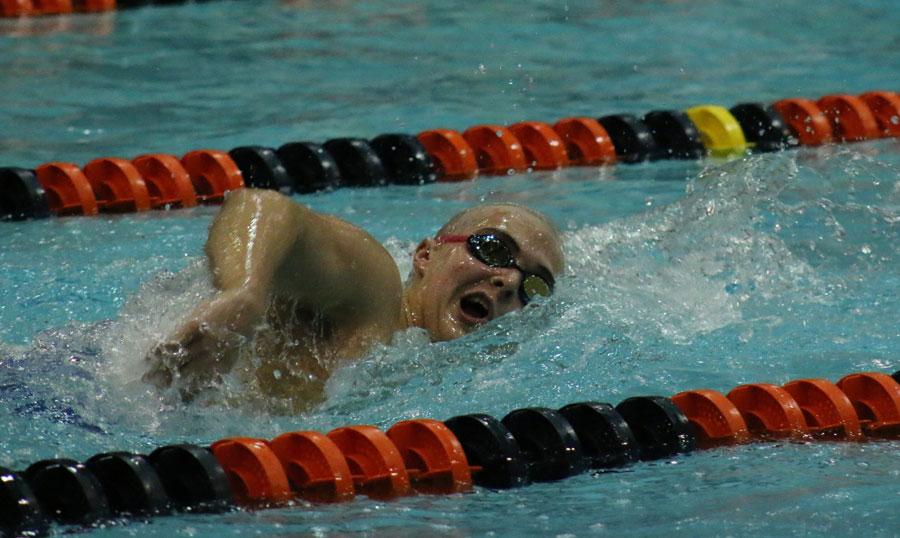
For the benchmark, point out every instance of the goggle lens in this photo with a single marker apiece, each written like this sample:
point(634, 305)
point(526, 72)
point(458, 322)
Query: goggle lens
point(533, 285)
point(492, 250)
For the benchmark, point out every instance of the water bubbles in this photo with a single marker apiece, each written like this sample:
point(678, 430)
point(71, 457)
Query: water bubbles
point(866, 249)
point(86, 131)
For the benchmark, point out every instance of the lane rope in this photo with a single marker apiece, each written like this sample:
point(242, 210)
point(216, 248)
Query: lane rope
point(160, 181)
point(426, 456)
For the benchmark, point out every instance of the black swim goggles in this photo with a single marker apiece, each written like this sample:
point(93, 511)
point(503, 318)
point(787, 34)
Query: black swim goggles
point(495, 249)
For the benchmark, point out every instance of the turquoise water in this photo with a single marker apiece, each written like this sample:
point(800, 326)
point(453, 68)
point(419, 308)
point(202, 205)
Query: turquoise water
point(680, 275)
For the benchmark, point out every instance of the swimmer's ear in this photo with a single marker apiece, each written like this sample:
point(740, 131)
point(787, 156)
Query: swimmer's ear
point(422, 256)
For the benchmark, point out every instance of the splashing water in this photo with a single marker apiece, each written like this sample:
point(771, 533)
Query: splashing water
point(716, 288)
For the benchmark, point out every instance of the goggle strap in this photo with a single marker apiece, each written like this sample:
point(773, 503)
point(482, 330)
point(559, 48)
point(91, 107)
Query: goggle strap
point(452, 238)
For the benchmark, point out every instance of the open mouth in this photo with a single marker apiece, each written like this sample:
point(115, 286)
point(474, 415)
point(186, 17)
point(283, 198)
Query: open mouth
point(476, 308)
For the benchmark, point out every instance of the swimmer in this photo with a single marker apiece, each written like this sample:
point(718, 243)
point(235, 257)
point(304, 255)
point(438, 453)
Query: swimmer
point(299, 293)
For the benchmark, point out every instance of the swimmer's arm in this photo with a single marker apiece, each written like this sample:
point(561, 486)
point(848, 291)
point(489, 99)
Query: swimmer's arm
point(265, 244)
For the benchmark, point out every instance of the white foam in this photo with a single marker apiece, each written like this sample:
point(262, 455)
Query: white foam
point(687, 268)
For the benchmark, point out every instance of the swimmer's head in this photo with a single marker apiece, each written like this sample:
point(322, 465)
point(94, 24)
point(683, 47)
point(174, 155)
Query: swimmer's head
point(451, 291)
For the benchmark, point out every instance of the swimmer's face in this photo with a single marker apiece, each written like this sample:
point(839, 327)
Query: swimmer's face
point(458, 292)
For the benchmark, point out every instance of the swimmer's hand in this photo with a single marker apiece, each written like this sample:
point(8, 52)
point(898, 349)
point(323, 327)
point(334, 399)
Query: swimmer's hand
point(206, 346)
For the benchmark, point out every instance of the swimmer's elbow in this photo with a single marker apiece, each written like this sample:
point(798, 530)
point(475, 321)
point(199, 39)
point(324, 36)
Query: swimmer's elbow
point(242, 195)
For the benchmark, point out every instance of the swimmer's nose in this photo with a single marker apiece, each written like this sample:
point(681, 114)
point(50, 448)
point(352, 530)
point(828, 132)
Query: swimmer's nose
point(507, 282)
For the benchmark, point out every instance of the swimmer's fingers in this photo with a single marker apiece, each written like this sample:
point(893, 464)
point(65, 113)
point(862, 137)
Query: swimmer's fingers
point(160, 372)
point(209, 353)
point(167, 357)
point(206, 346)
point(211, 341)
point(203, 358)
point(195, 354)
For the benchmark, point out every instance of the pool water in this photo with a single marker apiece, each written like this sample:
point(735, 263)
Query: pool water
point(680, 275)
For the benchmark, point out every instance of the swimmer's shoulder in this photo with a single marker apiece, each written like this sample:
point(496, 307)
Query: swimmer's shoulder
point(339, 267)
point(334, 266)
point(371, 273)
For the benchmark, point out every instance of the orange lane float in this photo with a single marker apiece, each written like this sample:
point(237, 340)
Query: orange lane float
point(434, 458)
point(68, 190)
point(315, 466)
point(52, 7)
point(16, 8)
point(167, 181)
point(453, 156)
point(769, 410)
point(850, 117)
point(885, 106)
point(375, 462)
point(543, 147)
point(213, 173)
point(806, 120)
point(876, 398)
point(497, 150)
point(254, 471)
point(587, 142)
point(715, 418)
point(827, 411)
point(117, 184)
